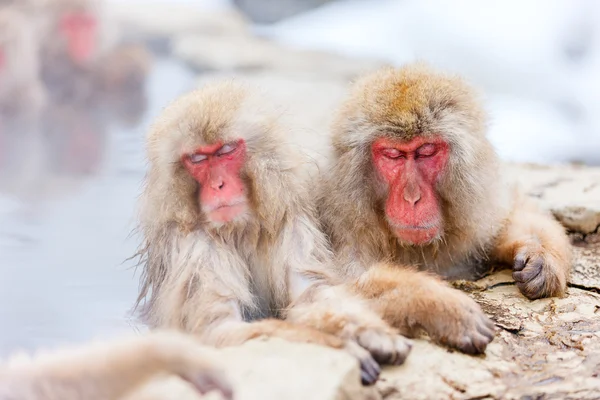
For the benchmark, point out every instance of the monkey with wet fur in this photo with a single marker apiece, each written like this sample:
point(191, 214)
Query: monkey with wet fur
point(116, 369)
point(416, 185)
point(231, 243)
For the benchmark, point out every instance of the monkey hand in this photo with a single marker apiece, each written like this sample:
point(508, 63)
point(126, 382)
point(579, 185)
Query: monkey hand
point(374, 345)
point(457, 321)
point(186, 357)
point(368, 337)
point(385, 344)
point(537, 272)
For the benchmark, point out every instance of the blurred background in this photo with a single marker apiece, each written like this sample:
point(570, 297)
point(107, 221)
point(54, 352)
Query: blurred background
point(82, 80)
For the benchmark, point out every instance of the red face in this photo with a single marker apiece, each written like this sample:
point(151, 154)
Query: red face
point(80, 31)
point(411, 171)
point(217, 169)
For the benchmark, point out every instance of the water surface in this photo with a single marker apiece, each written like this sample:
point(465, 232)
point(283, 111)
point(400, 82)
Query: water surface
point(67, 206)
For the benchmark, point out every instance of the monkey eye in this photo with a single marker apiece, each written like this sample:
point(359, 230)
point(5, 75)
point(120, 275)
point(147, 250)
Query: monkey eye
point(392, 153)
point(196, 158)
point(226, 149)
point(427, 150)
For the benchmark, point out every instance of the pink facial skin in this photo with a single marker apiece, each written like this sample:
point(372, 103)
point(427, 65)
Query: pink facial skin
point(217, 169)
point(80, 30)
point(411, 170)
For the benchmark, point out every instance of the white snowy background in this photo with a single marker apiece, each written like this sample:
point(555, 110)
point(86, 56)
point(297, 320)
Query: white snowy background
point(537, 62)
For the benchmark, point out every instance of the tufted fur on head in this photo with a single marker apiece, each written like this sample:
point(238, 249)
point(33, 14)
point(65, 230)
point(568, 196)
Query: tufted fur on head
point(171, 221)
point(403, 103)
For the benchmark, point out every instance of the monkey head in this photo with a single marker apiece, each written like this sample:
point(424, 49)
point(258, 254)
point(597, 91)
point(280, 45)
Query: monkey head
point(417, 138)
point(215, 155)
point(76, 29)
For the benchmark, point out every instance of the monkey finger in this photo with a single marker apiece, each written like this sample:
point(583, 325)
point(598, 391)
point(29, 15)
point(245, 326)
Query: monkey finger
point(485, 326)
point(486, 330)
point(369, 368)
point(533, 289)
point(530, 272)
point(473, 344)
point(205, 382)
point(520, 261)
point(466, 345)
point(369, 371)
point(403, 348)
point(480, 342)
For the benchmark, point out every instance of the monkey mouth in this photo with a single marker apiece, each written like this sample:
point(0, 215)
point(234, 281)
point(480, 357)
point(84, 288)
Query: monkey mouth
point(417, 234)
point(416, 227)
point(223, 213)
point(221, 206)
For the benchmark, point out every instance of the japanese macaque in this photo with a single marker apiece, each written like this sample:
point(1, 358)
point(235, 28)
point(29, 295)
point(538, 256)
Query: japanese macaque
point(81, 54)
point(416, 183)
point(112, 370)
point(231, 243)
point(20, 86)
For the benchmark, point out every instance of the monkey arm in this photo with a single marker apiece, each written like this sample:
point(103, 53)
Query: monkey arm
point(111, 370)
point(411, 300)
point(336, 311)
point(537, 247)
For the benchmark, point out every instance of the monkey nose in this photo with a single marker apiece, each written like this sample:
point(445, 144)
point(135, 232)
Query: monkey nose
point(412, 198)
point(217, 184)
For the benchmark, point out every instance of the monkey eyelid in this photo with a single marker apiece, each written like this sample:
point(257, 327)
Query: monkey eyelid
point(426, 150)
point(393, 153)
point(196, 158)
point(226, 149)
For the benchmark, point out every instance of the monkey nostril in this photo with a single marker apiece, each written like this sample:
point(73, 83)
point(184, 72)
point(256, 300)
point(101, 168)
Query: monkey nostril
point(221, 185)
point(412, 199)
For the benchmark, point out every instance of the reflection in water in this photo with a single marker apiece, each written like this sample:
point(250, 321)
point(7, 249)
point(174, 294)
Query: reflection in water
point(68, 184)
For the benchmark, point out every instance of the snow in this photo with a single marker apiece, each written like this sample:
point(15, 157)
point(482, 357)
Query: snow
point(544, 104)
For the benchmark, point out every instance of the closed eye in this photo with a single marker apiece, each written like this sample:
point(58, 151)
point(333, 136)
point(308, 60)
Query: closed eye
point(392, 153)
point(226, 149)
point(196, 158)
point(427, 150)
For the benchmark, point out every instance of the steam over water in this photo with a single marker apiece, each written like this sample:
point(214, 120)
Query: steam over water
point(67, 197)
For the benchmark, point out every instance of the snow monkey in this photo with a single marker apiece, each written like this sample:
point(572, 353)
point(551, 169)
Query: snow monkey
point(20, 84)
point(231, 242)
point(416, 183)
point(115, 369)
point(81, 53)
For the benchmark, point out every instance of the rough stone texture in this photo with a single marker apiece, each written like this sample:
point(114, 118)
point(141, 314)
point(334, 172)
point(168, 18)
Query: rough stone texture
point(572, 193)
point(547, 348)
point(276, 369)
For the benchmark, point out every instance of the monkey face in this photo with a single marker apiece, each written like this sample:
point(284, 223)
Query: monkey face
point(410, 171)
point(222, 195)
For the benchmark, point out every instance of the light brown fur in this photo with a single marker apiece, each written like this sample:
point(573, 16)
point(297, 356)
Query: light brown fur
point(228, 283)
point(21, 89)
point(478, 224)
point(111, 370)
